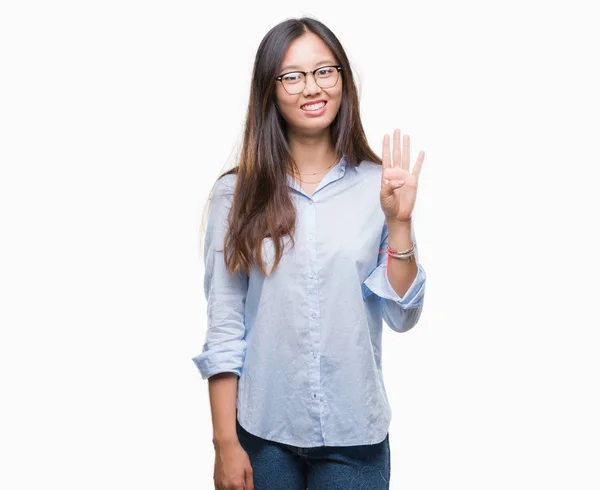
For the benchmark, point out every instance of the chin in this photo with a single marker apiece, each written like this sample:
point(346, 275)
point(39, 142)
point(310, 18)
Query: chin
point(313, 128)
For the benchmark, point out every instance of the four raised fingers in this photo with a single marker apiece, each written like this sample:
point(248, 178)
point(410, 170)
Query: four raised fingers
point(400, 154)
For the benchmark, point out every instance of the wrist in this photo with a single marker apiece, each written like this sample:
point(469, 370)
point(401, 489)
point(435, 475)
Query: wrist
point(399, 234)
point(396, 224)
point(223, 442)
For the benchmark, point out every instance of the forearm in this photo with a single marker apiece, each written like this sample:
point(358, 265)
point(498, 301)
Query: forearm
point(222, 390)
point(401, 272)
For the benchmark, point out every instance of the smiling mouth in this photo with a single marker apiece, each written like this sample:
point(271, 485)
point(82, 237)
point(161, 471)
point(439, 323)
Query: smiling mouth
point(313, 107)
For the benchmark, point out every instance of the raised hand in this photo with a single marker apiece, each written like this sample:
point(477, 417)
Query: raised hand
point(398, 185)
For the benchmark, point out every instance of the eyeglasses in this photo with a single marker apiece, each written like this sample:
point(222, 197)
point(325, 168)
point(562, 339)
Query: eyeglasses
point(295, 81)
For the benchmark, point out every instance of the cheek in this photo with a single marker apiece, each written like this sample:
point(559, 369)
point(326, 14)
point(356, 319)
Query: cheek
point(283, 98)
point(288, 109)
point(285, 104)
point(336, 103)
point(338, 96)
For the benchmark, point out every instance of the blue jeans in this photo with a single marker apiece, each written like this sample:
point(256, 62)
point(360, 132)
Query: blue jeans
point(278, 466)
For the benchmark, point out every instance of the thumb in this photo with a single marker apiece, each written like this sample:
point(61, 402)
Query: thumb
point(249, 480)
point(389, 186)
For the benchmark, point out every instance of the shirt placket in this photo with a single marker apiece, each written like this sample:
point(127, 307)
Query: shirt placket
point(314, 312)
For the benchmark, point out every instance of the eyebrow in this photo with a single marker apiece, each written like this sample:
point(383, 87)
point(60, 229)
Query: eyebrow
point(296, 67)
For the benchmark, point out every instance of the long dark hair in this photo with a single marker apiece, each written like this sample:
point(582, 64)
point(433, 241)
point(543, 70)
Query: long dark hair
point(262, 206)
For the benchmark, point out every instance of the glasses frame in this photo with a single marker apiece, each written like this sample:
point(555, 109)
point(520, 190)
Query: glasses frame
point(305, 73)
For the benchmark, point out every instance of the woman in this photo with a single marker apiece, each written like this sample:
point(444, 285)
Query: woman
point(309, 245)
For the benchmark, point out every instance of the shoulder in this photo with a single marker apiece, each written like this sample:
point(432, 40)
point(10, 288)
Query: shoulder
point(368, 168)
point(220, 198)
point(226, 181)
point(224, 186)
point(369, 171)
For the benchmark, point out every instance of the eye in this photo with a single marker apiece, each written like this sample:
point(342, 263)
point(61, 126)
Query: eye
point(324, 72)
point(292, 77)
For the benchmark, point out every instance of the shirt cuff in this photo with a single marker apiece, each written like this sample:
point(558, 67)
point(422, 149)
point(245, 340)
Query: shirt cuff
point(223, 357)
point(378, 283)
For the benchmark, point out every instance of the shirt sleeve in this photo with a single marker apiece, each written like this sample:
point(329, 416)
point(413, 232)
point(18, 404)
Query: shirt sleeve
point(225, 345)
point(400, 313)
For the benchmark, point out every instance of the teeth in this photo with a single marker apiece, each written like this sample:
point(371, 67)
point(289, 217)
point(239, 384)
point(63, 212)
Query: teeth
point(313, 107)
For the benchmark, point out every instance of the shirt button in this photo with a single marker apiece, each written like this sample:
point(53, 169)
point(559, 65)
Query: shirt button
point(311, 275)
point(315, 355)
point(313, 315)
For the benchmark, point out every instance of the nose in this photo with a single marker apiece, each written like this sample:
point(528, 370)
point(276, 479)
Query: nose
point(311, 86)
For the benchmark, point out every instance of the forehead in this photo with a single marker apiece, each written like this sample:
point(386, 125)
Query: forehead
point(306, 52)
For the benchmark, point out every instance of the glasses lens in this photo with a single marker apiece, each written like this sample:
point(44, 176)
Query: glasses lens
point(293, 82)
point(326, 76)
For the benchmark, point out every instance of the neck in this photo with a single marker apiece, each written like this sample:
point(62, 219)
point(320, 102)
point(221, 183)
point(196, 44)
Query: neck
point(312, 153)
